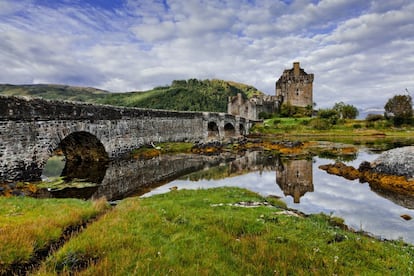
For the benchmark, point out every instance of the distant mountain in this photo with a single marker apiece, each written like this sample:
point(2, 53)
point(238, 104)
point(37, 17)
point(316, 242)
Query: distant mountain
point(184, 95)
point(54, 92)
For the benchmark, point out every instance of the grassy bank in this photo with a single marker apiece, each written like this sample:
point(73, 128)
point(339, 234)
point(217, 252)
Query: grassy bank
point(315, 127)
point(29, 225)
point(205, 232)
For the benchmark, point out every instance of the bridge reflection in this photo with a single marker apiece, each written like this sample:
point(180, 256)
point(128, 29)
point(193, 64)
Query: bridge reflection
point(122, 178)
point(129, 177)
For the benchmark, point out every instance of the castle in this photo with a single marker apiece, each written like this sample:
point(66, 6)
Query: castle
point(294, 88)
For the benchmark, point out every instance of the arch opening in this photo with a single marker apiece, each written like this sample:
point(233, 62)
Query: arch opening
point(229, 130)
point(213, 130)
point(83, 146)
point(79, 156)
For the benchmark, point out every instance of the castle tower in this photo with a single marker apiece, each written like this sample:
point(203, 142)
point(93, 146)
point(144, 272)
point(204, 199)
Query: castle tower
point(295, 87)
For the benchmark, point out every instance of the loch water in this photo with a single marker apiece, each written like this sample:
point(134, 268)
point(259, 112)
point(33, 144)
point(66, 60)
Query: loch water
point(297, 181)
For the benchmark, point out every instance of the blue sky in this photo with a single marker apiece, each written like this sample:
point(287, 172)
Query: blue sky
point(361, 52)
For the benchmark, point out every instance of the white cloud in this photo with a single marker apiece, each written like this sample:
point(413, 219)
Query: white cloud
point(360, 52)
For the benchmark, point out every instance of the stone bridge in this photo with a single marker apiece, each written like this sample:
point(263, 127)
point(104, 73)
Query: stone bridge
point(32, 129)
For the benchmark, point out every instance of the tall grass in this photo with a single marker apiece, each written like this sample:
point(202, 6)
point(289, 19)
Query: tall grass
point(28, 225)
point(201, 233)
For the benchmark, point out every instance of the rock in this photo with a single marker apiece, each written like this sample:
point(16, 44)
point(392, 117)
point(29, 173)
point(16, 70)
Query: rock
point(406, 217)
point(399, 161)
point(365, 166)
point(289, 144)
point(341, 169)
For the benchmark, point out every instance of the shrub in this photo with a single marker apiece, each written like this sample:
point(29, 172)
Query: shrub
point(346, 111)
point(265, 115)
point(327, 113)
point(287, 110)
point(369, 124)
point(357, 126)
point(276, 122)
point(374, 117)
point(321, 124)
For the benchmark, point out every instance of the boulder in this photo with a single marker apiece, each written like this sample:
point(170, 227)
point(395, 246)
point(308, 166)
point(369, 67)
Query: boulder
point(399, 161)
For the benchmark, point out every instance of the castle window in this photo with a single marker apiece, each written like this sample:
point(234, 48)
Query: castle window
point(297, 91)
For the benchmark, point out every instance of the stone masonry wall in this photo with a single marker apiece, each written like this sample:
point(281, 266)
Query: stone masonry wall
point(30, 129)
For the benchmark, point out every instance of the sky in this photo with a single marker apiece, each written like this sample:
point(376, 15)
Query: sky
point(361, 52)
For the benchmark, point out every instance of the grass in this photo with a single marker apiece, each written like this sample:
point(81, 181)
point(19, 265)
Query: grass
point(306, 127)
point(162, 148)
point(28, 225)
point(201, 233)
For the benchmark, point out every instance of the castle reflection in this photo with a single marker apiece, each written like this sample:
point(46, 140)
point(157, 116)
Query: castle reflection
point(295, 177)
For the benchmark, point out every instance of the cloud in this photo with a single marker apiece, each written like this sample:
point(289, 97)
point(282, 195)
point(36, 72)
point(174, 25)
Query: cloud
point(360, 52)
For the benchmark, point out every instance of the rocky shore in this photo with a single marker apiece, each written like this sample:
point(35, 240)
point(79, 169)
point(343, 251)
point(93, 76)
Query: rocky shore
point(392, 173)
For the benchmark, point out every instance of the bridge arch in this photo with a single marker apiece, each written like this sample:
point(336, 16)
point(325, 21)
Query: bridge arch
point(83, 146)
point(229, 130)
point(213, 130)
point(85, 157)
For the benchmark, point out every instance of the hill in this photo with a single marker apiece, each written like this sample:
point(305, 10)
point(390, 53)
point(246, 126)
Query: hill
point(185, 95)
point(54, 92)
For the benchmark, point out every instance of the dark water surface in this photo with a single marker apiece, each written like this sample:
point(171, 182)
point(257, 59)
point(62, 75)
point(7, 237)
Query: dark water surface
point(299, 182)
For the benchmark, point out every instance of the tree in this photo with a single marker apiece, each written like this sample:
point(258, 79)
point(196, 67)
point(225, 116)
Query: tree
point(400, 109)
point(346, 111)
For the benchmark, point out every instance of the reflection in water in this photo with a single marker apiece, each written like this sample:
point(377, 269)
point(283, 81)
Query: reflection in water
point(405, 200)
point(295, 177)
point(320, 192)
point(122, 178)
point(312, 190)
point(54, 166)
point(87, 171)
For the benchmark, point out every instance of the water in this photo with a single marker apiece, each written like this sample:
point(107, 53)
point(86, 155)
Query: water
point(298, 182)
point(362, 208)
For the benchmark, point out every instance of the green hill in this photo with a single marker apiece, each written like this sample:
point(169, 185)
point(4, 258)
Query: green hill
point(191, 95)
point(54, 92)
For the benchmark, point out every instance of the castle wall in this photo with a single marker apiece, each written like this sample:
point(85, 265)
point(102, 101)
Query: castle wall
point(251, 108)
